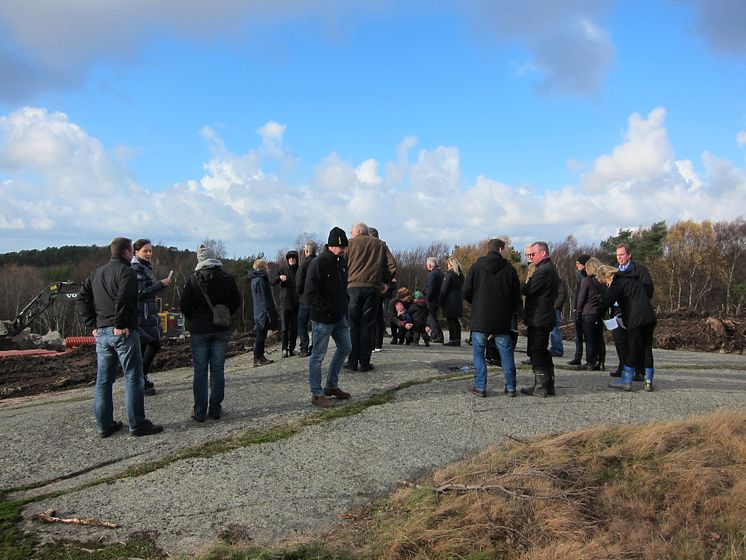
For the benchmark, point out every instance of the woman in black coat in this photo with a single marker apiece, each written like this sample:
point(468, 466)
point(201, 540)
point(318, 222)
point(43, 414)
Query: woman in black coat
point(148, 320)
point(639, 321)
point(451, 300)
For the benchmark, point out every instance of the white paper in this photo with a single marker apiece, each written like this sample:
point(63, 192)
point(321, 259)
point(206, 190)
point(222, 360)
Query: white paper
point(611, 324)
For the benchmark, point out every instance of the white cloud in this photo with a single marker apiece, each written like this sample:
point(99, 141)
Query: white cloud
point(741, 138)
point(73, 191)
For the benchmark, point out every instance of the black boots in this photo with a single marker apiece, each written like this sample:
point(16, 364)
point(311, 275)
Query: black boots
point(543, 383)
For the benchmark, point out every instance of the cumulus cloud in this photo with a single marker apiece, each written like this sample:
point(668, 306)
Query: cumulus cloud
point(59, 185)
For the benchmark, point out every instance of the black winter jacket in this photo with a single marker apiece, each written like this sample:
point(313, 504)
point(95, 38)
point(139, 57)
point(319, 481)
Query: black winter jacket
point(540, 292)
point(631, 295)
point(419, 311)
point(147, 309)
point(326, 287)
point(641, 274)
point(288, 289)
point(108, 297)
point(220, 287)
point(451, 299)
point(300, 284)
point(433, 282)
point(494, 291)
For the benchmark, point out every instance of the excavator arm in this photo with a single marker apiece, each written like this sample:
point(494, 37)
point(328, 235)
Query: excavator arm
point(63, 290)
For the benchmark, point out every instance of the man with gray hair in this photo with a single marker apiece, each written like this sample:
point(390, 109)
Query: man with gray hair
point(540, 291)
point(370, 269)
point(304, 309)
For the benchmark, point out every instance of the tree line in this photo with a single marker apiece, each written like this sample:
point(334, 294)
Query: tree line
point(697, 266)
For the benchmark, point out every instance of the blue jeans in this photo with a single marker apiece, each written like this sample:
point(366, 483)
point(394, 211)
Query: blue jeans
point(340, 332)
point(209, 349)
point(111, 351)
point(504, 345)
point(555, 338)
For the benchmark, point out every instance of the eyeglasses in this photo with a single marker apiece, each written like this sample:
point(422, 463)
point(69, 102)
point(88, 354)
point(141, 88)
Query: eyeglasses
point(530, 254)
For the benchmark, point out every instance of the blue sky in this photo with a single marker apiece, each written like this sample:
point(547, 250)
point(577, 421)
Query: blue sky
point(252, 122)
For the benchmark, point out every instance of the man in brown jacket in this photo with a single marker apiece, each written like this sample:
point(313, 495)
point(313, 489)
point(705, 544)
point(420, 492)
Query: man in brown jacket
point(370, 268)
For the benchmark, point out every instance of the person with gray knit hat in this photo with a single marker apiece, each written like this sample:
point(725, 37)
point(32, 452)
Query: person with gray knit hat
point(326, 289)
point(209, 286)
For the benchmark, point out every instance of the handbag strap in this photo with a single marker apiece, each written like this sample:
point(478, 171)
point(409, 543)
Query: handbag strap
point(204, 292)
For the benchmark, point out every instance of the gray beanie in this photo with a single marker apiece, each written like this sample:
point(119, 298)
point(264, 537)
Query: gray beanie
point(205, 253)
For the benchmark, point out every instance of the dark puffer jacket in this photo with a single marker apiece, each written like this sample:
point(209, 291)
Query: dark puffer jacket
point(494, 291)
point(451, 297)
point(541, 291)
point(220, 287)
point(147, 308)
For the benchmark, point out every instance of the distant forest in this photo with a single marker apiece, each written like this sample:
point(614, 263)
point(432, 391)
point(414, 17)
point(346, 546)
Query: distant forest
point(695, 266)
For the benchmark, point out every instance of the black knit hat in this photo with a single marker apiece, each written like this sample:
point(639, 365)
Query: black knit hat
point(582, 259)
point(291, 255)
point(337, 238)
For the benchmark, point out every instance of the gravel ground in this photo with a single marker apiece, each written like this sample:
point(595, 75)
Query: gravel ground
point(301, 484)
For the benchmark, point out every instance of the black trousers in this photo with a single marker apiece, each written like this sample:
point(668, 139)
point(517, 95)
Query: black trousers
point(362, 317)
point(537, 348)
point(454, 329)
point(289, 328)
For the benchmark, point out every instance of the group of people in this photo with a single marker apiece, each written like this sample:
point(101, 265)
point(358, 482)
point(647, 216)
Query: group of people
point(341, 290)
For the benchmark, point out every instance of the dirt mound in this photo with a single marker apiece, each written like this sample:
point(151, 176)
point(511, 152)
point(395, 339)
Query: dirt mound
point(687, 330)
point(30, 375)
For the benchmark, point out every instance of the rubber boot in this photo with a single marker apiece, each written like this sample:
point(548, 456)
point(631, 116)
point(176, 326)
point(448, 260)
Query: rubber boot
point(649, 379)
point(541, 380)
point(625, 382)
point(530, 390)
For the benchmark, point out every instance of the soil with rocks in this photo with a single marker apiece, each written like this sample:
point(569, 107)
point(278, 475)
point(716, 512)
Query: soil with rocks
point(31, 375)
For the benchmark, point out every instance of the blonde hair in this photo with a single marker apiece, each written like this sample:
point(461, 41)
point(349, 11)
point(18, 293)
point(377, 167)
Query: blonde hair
point(260, 264)
point(604, 271)
point(456, 266)
point(592, 266)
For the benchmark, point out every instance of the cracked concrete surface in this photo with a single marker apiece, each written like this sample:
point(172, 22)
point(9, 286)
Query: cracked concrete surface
point(301, 484)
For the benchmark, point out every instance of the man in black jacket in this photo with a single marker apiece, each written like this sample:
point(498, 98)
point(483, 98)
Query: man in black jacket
point(629, 269)
point(326, 289)
point(493, 289)
point(288, 302)
point(541, 292)
point(107, 304)
point(579, 275)
point(304, 310)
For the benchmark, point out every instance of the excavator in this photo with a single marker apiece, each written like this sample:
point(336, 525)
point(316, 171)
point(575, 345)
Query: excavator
point(172, 322)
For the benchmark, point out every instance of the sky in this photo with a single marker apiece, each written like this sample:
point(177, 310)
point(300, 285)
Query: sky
point(254, 122)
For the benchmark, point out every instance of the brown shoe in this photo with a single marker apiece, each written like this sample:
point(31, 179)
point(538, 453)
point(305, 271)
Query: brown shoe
point(262, 361)
point(321, 401)
point(474, 391)
point(336, 392)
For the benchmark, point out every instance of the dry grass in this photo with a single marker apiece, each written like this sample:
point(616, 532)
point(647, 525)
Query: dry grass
point(667, 490)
